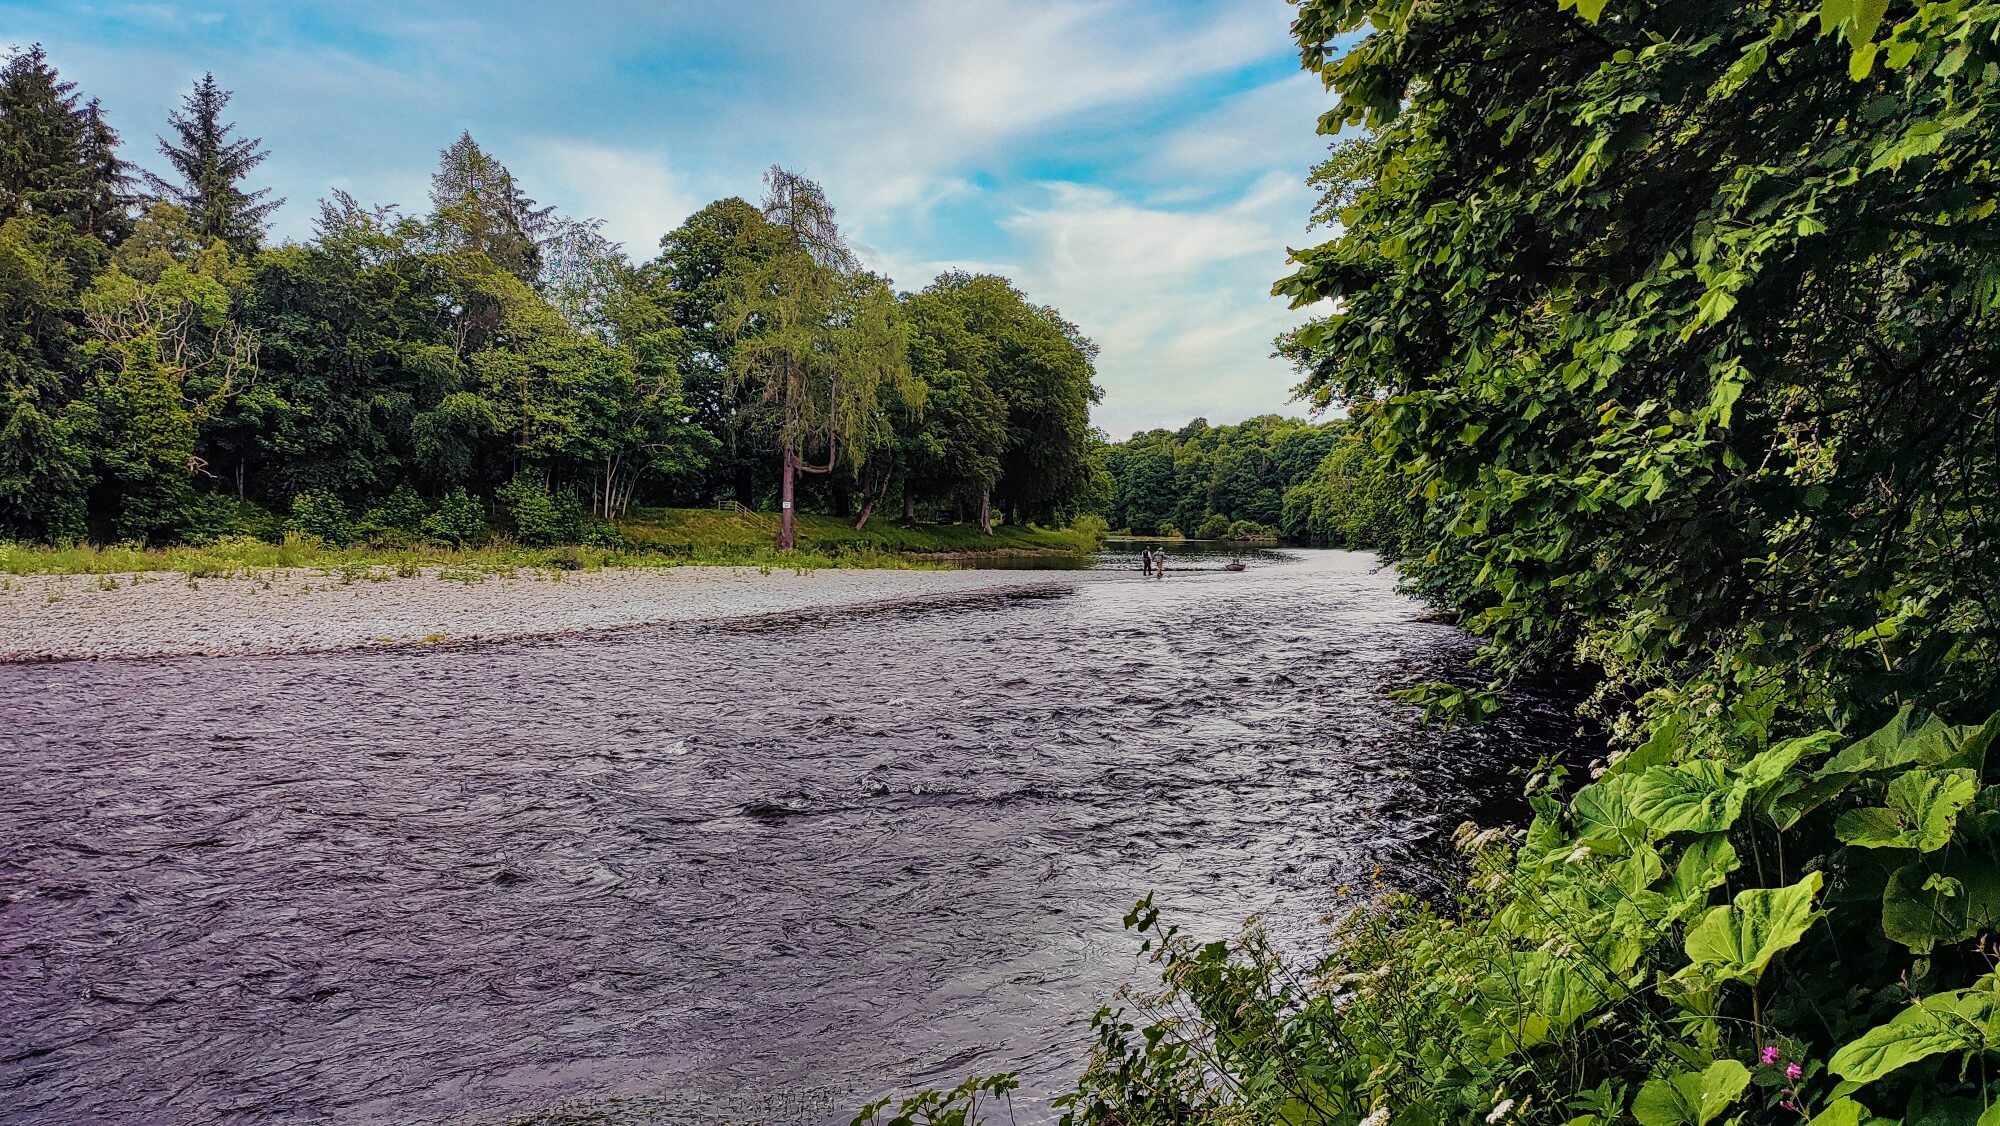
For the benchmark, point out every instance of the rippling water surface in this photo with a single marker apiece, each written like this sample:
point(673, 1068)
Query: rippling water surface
point(759, 871)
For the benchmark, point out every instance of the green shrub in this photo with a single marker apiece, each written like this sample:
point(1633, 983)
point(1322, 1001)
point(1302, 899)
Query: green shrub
point(1798, 929)
point(1214, 526)
point(1093, 527)
point(397, 521)
point(322, 516)
point(1249, 530)
point(539, 519)
point(459, 519)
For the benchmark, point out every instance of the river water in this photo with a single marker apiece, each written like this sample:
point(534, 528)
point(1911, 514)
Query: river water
point(759, 871)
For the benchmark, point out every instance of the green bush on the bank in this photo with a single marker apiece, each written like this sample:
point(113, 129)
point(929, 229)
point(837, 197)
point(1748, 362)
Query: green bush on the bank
point(322, 516)
point(1781, 935)
point(459, 519)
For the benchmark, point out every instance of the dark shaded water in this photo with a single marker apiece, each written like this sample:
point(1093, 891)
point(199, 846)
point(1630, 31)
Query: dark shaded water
point(680, 874)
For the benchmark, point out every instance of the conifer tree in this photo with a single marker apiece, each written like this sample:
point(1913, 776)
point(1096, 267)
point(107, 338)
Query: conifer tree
point(57, 157)
point(477, 205)
point(210, 165)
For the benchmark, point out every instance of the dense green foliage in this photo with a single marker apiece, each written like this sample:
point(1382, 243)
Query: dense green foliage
point(1202, 480)
point(1674, 324)
point(167, 377)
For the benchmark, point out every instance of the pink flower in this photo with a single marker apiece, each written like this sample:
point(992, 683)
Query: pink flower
point(1793, 1071)
point(1770, 1055)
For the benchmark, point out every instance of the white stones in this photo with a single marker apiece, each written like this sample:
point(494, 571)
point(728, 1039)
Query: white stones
point(69, 617)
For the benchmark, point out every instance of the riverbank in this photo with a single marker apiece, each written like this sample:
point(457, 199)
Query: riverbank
point(652, 537)
point(296, 610)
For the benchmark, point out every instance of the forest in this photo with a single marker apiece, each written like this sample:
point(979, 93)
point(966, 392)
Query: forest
point(1673, 329)
point(484, 363)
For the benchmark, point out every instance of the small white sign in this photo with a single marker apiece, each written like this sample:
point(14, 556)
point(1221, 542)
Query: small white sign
point(788, 504)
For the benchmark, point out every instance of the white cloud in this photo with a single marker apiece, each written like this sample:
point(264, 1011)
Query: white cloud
point(1176, 296)
point(639, 195)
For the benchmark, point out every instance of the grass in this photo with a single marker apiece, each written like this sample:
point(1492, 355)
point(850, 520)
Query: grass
point(653, 537)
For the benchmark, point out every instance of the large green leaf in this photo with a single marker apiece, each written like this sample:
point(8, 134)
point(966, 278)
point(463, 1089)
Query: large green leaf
point(1840, 1112)
point(1737, 942)
point(1937, 901)
point(1691, 1098)
point(1602, 813)
point(1962, 1020)
point(1923, 807)
point(1931, 743)
point(1703, 866)
point(1697, 797)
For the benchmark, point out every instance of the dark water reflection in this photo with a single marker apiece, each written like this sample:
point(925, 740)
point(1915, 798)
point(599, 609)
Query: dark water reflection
point(680, 874)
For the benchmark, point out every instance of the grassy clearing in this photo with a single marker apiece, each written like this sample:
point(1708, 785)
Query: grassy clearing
point(657, 537)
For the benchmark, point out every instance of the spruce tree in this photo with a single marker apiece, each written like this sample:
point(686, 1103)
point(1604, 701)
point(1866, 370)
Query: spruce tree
point(210, 165)
point(57, 157)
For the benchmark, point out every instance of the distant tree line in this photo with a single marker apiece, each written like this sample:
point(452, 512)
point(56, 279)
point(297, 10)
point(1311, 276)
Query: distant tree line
point(168, 376)
point(1266, 476)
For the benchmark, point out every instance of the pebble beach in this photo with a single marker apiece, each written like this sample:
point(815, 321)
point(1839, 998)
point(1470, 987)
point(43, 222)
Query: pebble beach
point(165, 614)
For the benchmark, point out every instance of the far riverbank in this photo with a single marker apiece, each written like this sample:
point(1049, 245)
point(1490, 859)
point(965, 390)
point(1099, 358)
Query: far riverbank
point(160, 614)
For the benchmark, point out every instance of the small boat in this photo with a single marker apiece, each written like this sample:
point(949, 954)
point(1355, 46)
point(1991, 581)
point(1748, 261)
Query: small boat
point(1234, 565)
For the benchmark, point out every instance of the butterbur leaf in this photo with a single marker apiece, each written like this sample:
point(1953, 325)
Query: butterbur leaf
point(1920, 917)
point(1873, 827)
point(1791, 800)
point(1737, 942)
point(1697, 797)
point(1956, 1021)
point(1880, 750)
point(1602, 812)
point(1929, 801)
point(1702, 867)
point(1923, 807)
point(1691, 1098)
point(1840, 1112)
point(1771, 765)
point(1590, 9)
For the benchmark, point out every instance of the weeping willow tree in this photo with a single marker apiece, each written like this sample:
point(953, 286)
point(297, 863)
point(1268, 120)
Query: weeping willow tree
point(820, 342)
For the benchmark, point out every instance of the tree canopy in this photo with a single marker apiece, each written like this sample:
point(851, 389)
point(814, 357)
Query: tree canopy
point(169, 377)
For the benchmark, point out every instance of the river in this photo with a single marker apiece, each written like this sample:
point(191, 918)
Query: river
point(758, 871)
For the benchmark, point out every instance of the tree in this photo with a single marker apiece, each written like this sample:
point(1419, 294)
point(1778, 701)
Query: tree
point(951, 452)
point(58, 156)
point(476, 205)
point(1688, 323)
point(1041, 367)
point(210, 166)
point(687, 286)
point(820, 341)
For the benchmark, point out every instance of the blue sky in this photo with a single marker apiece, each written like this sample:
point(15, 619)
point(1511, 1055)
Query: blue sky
point(1139, 164)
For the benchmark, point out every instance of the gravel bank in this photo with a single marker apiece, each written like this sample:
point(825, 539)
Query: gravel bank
point(160, 614)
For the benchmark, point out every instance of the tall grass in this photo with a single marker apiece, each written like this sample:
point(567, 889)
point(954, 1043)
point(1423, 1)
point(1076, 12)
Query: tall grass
point(653, 538)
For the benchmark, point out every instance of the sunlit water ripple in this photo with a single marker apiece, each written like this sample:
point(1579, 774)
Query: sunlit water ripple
point(758, 871)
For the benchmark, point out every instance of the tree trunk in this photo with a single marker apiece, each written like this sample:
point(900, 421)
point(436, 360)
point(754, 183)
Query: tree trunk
point(986, 512)
point(867, 510)
point(239, 479)
point(785, 537)
point(909, 506)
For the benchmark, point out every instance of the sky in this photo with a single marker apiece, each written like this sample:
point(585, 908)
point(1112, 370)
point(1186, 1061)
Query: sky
point(1139, 164)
